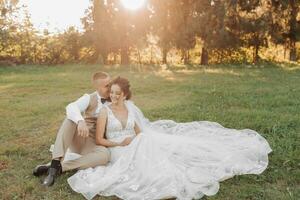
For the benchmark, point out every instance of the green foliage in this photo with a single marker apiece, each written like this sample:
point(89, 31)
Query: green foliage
point(285, 27)
point(205, 32)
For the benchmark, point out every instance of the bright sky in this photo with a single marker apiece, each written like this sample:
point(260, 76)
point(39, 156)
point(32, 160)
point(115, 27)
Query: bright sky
point(56, 14)
point(60, 14)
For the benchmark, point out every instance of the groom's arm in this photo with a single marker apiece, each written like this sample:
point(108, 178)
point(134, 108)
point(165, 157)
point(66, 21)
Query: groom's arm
point(74, 109)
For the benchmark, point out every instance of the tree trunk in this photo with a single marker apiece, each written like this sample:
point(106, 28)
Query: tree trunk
point(284, 52)
point(255, 54)
point(104, 58)
point(293, 51)
point(139, 57)
point(115, 58)
point(95, 56)
point(204, 57)
point(125, 56)
point(185, 57)
point(292, 32)
point(165, 53)
point(76, 55)
point(151, 55)
point(182, 55)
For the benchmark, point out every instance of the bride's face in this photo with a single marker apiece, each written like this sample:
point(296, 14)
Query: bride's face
point(116, 94)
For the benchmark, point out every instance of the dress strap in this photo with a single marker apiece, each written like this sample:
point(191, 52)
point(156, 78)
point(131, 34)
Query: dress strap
point(109, 111)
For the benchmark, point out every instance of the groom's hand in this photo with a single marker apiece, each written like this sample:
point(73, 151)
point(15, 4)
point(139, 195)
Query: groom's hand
point(82, 129)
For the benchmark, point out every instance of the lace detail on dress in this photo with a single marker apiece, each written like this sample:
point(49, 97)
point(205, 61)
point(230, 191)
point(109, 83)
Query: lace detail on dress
point(114, 127)
point(181, 160)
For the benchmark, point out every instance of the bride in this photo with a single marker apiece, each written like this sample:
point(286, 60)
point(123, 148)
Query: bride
point(163, 159)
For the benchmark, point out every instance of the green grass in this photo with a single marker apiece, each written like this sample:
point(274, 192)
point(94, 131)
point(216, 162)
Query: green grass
point(33, 100)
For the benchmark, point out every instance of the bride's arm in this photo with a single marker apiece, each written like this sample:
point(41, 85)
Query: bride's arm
point(100, 130)
point(136, 128)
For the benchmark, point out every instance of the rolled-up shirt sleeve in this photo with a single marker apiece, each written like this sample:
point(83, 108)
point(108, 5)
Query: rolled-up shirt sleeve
point(75, 109)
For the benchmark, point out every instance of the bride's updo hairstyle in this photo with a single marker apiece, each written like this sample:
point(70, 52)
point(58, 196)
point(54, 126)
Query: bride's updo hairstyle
point(124, 84)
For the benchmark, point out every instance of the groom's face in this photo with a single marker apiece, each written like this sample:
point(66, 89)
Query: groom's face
point(102, 87)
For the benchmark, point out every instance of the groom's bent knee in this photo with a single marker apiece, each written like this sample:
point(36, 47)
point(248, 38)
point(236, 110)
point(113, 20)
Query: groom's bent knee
point(68, 124)
point(100, 156)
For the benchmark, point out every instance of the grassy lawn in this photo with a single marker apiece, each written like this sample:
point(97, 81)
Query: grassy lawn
point(33, 100)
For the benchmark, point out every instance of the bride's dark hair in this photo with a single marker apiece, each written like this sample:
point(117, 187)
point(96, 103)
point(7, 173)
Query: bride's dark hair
point(124, 84)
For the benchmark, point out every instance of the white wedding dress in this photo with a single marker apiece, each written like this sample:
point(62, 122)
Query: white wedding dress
point(169, 159)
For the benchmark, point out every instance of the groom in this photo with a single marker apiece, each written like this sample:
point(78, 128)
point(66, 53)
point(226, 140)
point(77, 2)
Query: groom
point(77, 133)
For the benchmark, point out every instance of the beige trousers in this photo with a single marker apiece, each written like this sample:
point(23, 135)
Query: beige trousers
point(92, 155)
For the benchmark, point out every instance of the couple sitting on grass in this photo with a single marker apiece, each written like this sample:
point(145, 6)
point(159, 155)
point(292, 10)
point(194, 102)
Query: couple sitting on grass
point(117, 151)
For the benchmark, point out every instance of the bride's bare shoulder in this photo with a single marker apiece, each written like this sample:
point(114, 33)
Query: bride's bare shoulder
point(103, 111)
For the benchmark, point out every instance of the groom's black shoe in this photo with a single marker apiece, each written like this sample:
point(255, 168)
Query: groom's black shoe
point(41, 170)
point(53, 171)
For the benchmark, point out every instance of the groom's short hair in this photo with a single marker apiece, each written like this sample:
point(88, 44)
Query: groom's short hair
point(100, 75)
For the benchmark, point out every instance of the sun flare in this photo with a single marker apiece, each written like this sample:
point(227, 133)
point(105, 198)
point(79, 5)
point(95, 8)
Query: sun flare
point(133, 4)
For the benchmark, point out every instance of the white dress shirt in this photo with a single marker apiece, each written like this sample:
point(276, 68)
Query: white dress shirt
point(75, 109)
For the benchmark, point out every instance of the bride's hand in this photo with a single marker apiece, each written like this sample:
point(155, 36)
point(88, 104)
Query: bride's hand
point(126, 141)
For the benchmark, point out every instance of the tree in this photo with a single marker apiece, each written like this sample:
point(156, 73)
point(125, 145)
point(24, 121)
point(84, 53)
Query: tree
point(8, 25)
point(73, 42)
point(215, 20)
point(285, 28)
point(162, 25)
point(25, 44)
point(114, 29)
point(184, 27)
point(101, 29)
point(131, 29)
point(251, 24)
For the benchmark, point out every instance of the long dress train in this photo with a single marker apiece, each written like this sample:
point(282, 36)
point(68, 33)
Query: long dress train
point(169, 159)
